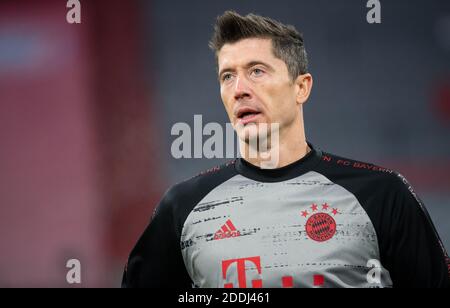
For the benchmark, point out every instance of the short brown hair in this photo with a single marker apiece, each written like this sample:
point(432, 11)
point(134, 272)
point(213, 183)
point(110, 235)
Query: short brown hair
point(287, 42)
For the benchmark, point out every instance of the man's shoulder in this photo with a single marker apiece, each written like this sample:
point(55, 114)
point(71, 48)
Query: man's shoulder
point(343, 169)
point(193, 189)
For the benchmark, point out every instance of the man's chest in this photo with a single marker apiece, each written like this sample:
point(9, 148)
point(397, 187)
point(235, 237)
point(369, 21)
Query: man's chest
point(304, 232)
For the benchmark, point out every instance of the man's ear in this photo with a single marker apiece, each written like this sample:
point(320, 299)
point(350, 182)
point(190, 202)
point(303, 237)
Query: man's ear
point(304, 85)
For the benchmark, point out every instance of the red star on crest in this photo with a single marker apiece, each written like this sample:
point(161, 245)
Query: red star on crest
point(314, 207)
point(325, 206)
point(305, 213)
point(335, 212)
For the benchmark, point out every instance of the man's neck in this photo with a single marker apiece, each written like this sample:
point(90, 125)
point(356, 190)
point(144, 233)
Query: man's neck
point(292, 146)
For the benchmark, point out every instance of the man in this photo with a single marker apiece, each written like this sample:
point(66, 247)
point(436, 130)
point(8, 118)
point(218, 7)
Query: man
point(311, 220)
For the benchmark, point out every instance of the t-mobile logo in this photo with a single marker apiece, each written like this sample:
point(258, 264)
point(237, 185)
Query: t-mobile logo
point(373, 276)
point(286, 282)
point(241, 273)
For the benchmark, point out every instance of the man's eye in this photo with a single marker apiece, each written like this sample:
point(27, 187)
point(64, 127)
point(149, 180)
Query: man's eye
point(226, 77)
point(257, 71)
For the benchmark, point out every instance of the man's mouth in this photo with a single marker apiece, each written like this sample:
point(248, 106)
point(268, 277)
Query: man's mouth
point(247, 115)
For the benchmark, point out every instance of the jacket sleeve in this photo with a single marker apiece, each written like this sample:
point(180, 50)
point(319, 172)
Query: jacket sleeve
point(156, 260)
point(417, 256)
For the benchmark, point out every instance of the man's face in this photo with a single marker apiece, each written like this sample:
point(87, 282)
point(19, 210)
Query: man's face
point(256, 87)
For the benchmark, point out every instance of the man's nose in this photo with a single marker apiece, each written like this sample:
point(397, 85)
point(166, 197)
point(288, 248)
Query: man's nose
point(242, 88)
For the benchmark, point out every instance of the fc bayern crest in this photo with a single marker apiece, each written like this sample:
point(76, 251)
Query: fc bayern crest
point(321, 225)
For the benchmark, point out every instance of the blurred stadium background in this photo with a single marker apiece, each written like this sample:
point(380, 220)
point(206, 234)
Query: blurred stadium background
point(86, 112)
